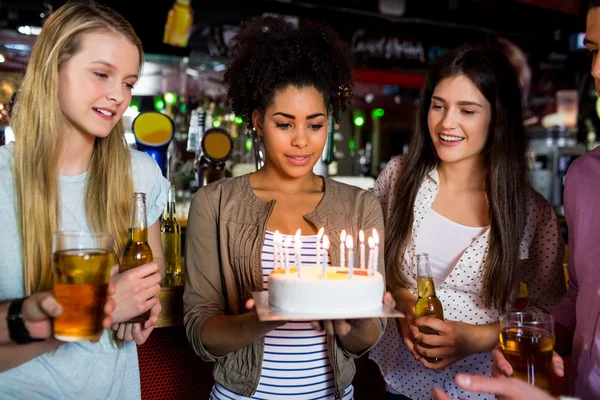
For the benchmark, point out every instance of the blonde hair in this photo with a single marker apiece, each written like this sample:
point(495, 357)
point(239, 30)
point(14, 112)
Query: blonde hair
point(38, 121)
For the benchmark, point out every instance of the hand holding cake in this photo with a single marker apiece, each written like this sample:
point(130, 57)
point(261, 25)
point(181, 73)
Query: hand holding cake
point(353, 332)
point(332, 291)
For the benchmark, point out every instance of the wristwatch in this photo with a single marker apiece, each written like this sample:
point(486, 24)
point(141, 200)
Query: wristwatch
point(16, 326)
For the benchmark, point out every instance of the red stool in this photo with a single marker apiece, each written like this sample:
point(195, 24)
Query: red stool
point(170, 369)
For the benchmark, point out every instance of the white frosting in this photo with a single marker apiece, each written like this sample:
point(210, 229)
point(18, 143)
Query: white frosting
point(311, 294)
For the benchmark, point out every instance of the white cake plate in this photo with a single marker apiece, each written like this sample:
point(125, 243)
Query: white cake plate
point(268, 313)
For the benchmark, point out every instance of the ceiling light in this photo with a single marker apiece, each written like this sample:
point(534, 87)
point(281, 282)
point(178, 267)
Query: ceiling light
point(29, 30)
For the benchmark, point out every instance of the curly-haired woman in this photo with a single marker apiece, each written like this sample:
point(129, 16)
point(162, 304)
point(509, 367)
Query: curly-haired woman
point(286, 81)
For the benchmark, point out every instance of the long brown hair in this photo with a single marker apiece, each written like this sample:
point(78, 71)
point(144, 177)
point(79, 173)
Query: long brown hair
point(506, 179)
point(38, 122)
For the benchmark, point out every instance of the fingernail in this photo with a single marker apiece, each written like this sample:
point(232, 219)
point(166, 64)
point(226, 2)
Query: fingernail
point(464, 380)
point(53, 308)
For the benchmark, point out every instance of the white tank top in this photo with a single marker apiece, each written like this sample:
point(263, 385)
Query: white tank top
point(445, 241)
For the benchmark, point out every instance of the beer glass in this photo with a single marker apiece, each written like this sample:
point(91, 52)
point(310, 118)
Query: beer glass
point(81, 271)
point(527, 341)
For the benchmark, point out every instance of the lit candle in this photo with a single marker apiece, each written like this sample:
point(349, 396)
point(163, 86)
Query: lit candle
point(297, 250)
point(361, 238)
point(350, 246)
point(376, 255)
point(342, 248)
point(324, 261)
point(287, 244)
point(319, 236)
point(281, 255)
point(276, 249)
point(371, 253)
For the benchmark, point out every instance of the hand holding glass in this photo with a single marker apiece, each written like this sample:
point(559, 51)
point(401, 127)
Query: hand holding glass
point(81, 269)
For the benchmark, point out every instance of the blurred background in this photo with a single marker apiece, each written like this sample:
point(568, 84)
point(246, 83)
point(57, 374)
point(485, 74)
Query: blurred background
point(188, 44)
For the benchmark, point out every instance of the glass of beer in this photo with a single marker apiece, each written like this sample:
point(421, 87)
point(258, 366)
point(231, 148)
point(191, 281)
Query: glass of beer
point(527, 341)
point(81, 269)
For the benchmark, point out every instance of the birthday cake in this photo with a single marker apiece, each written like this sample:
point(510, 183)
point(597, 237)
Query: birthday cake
point(335, 294)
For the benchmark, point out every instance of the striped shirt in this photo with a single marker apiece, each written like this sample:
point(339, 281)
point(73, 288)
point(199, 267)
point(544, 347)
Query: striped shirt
point(296, 362)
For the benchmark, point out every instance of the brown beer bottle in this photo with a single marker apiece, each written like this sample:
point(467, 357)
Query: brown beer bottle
point(137, 251)
point(428, 305)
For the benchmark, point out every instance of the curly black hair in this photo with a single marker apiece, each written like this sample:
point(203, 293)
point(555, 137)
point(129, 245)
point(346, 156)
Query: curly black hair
point(270, 54)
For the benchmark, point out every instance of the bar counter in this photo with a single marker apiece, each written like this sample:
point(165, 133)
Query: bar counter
point(171, 300)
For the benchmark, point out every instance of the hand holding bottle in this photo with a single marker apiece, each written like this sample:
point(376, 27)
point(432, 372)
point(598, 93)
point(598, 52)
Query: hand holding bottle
point(405, 303)
point(428, 305)
point(450, 343)
point(137, 253)
point(137, 291)
point(138, 331)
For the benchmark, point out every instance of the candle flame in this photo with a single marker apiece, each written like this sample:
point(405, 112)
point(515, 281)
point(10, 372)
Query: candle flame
point(349, 242)
point(288, 241)
point(320, 233)
point(277, 237)
point(371, 242)
point(375, 236)
point(343, 236)
point(325, 242)
point(361, 236)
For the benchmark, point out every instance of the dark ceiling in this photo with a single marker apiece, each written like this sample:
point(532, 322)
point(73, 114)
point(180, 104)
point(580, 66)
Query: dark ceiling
point(431, 17)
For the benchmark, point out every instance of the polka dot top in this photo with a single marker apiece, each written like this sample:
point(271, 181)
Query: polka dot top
point(541, 254)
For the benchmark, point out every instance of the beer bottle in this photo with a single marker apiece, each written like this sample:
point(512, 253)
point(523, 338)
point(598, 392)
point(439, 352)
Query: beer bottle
point(137, 251)
point(428, 305)
point(170, 235)
point(179, 24)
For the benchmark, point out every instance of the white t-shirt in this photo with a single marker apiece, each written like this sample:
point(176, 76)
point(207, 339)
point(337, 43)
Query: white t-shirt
point(78, 370)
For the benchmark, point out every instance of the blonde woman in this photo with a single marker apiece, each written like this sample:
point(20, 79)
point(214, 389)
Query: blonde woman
point(70, 169)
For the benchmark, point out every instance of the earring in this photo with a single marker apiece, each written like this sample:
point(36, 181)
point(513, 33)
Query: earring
point(256, 131)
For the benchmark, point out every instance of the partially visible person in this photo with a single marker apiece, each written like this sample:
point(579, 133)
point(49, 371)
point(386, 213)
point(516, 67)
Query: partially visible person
point(462, 195)
point(502, 368)
point(33, 316)
point(576, 318)
point(502, 388)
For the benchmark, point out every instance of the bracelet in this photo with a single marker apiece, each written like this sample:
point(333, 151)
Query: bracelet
point(16, 326)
